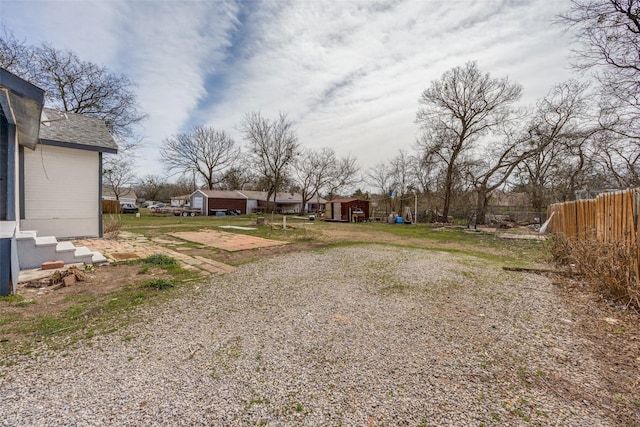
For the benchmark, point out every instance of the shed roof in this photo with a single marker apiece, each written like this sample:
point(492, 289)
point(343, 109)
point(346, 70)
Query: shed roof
point(347, 200)
point(78, 130)
point(223, 194)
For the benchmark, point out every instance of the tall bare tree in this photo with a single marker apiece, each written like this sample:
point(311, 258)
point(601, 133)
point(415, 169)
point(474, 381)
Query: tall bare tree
point(273, 147)
point(343, 175)
point(313, 170)
point(558, 136)
point(119, 176)
point(379, 177)
point(203, 151)
point(495, 164)
point(76, 86)
point(458, 109)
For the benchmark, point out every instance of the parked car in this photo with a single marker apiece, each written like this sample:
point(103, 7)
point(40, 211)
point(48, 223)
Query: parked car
point(156, 206)
point(128, 208)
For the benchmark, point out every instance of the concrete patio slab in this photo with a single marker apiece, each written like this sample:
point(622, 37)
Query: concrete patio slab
point(226, 241)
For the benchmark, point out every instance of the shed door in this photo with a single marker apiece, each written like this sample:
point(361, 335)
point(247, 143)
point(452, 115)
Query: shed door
point(337, 211)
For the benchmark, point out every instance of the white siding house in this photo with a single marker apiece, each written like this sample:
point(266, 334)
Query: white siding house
point(62, 178)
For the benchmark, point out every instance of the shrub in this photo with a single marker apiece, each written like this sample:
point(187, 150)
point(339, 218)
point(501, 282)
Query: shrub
point(111, 228)
point(611, 268)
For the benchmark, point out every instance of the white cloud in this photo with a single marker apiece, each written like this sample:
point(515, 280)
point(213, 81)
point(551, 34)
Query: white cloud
point(348, 73)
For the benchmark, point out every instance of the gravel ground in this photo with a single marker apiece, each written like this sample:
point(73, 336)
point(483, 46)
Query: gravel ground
point(354, 336)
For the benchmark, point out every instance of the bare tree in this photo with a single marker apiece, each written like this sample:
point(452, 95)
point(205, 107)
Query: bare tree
point(119, 175)
point(203, 151)
point(313, 170)
point(494, 167)
point(458, 109)
point(76, 86)
point(401, 174)
point(607, 33)
point(151, 187)
point(558, 137)
point(379, 176)
point(273, 147)
point(343, 175)
point(239, 177)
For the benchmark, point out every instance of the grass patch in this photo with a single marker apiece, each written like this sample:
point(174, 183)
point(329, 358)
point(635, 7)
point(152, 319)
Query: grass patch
point(159, 284)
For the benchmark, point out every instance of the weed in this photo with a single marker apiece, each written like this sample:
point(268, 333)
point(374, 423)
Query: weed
point(159, 284)
point(144, 269)
point(111, 227)
point(160, 260)
point(609, 267)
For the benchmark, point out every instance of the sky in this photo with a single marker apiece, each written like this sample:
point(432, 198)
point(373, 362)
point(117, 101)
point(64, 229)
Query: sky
point(349, 74)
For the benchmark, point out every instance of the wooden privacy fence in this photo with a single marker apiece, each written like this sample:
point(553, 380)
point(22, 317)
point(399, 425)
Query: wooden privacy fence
point(110, 206)
point(609, 218)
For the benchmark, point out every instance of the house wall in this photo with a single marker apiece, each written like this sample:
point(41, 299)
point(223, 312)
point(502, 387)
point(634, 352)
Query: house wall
point(252, 205)
point(231, 204)
point(61, 192)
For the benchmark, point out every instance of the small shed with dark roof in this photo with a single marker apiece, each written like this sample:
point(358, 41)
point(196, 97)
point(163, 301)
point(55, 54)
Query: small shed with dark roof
point(347, 210)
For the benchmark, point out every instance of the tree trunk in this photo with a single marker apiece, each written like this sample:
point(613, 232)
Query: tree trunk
point(448, 184)
point(481, 206)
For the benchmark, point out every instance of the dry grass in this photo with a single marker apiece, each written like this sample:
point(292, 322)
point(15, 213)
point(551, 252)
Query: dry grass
point(611, 268)
point(111, 227)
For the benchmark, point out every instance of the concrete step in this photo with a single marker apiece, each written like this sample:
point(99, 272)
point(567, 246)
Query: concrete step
point(65, 247)
point(34, 250)
point(46, 241)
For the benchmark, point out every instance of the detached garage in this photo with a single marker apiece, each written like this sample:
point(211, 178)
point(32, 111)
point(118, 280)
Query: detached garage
point(210, 201)
point(347, 210)
point(61, 178)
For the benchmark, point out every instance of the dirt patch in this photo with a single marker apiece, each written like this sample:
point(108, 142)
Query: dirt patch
point(41, 298)
point(123, 256)
point(613, 335)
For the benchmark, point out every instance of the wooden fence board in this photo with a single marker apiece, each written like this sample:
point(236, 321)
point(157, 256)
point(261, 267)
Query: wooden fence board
point(609, 218)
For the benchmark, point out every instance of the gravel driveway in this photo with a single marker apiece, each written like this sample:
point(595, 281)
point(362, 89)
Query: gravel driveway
point(353, 336)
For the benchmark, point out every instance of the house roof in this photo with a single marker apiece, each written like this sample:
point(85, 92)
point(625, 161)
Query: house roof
point(223, 194)
point(76, 130)
point(346, 200)
point(183, 197)
point(21, 103)
point(280, 197)
point(127, 193)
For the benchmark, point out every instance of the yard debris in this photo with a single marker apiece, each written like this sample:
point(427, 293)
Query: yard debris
point(61, 278)
point(51, 265)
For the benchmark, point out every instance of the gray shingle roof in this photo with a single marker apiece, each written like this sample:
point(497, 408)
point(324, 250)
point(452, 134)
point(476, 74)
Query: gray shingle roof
point(77, 129)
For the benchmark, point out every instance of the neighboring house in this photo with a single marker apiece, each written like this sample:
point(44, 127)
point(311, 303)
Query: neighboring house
point(180, 201)
point(208, 201)
point(343, 209)
point(286, 203)
point(127, 196)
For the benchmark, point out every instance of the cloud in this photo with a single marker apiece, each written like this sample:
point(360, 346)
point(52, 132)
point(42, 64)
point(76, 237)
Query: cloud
point(349, 74)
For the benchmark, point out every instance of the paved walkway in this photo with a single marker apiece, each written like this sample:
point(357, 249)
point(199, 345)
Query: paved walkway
point(132, 246)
